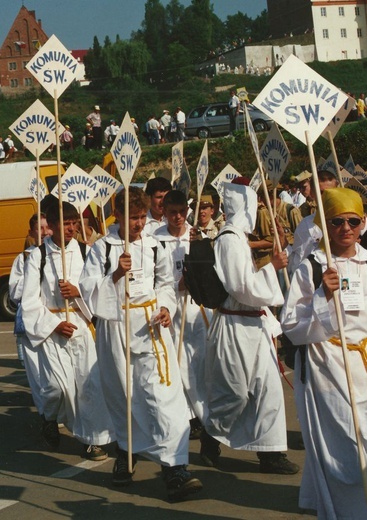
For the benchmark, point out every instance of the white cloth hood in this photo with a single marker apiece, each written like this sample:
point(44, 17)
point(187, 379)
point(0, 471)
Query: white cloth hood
point(240, 206)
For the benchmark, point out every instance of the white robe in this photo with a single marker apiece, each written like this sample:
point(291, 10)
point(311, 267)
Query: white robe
point(332, 481)
point(244, 390)
point(69, 376)
point(160, 424)
point(195, 332)
point(306, 238)
point(30, 354)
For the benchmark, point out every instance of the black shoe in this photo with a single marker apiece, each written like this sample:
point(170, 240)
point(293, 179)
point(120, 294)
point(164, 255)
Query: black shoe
point(95, 453)
point(276, 462)
point(51, 434)
point(210, 450)
point(195, 429)
point(121, 475)
point(180, 482)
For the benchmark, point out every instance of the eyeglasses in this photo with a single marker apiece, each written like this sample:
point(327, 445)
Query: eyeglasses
point(339, 221)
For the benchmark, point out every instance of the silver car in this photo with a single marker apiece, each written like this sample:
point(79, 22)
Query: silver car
point(213, 119)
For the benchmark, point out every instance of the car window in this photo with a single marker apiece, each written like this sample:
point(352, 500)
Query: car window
point(217, 111)
point(197, 112)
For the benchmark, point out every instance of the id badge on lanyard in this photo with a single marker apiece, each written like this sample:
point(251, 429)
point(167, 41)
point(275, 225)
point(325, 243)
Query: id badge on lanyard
point(351, 293)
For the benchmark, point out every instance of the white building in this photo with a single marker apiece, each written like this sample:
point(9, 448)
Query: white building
point(340, 29)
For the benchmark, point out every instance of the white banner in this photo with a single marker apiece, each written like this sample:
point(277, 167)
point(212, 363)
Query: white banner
point(252, 134)
point(330, 166)
point(53, 67)
point(355, 185)
point(78, 187)
point(274, 155)
point(126, 151)
point(177, 161)
point(108, 185)
point(36, 128)
point(33, 187)
point(359, 173)
point(184, 182)
point(203, 169)
point(299, 99)
point(256, 180)
point(339, 118)
point(226, 175)
point(349, 165)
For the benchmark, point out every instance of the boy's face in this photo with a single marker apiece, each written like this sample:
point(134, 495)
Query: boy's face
point(156, 204)
point(70, 228)
point(205, 214)
point(176, 216)
point(137, 219)
point(45, 230)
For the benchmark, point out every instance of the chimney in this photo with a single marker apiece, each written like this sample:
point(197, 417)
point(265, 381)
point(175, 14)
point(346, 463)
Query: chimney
point(33, 13)
point(40, 22)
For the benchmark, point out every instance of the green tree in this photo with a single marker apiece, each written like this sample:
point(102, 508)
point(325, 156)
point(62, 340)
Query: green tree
point(238, 27)
point(260, 27)
point(155, 34)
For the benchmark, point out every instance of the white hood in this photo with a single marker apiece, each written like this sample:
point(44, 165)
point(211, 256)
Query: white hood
point(240, 206)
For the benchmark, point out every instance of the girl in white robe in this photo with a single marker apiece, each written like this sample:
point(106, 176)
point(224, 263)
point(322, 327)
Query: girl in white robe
point(332, 479)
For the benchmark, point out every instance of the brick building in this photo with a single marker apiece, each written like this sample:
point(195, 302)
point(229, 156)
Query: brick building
point(24, 39)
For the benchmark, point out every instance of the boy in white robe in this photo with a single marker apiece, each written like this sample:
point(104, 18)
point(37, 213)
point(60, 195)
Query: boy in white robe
point(26, 353)
point(160, 426)
point(332, 479)
point(244, 390)
point(156, 189)
point(69, 376)
point(175, 237)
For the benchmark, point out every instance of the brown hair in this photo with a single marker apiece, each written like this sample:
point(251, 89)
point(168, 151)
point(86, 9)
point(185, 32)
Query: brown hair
point(138, 199)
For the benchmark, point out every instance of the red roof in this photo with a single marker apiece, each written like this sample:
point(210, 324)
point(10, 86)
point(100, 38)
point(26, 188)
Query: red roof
point(79, 54)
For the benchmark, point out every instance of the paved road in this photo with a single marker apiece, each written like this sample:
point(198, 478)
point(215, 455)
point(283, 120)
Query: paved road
point(36, 484)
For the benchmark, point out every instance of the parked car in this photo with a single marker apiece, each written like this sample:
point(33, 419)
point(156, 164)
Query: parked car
point(213, 119)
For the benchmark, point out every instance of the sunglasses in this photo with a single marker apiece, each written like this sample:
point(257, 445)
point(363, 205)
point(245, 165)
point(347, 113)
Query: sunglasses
point(339, 221)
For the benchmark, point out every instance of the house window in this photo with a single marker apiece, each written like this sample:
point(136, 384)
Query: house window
point(323, 11)
point(325, 33)
point(343, 33)
point(25, 64)
point(12, 65)
point(356, 9)
point(28, 82)
point(341, 11)
point(359, 33)
point(13, 83)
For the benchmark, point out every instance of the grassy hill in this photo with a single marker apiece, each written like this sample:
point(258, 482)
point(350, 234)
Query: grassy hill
point(77, 102)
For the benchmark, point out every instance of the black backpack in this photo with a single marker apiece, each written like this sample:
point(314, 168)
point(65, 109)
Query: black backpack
point(200, 277)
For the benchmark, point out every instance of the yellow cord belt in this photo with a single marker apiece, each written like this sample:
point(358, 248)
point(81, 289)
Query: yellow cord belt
point(361, 348)
point(71, 309)
point(146, 305)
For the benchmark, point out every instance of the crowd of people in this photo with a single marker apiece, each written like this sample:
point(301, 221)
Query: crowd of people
point(195, 372)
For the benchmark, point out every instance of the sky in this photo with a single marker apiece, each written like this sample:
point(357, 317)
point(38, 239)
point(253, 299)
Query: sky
point(76, 22)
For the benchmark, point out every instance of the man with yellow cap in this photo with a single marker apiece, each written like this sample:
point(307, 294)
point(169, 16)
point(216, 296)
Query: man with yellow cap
point(332, 479)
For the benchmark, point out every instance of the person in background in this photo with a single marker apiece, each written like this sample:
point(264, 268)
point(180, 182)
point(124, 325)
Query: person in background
point(66, 138)
point(95, 120)
point(165, 121)
point(156, 189)
point(180, 120)
point(111, 132)
point(234, 111)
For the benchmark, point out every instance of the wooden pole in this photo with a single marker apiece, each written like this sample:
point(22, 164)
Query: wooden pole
point(61, 213)
point(82, 225)
point(39, 241)
point(335, 157)
point(362, 458)
point(127, 340)
point(272, 218)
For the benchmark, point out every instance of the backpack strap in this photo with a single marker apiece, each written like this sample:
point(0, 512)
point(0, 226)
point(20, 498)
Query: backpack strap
point(42, 248)
point(316, 270)
point(107, 263)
